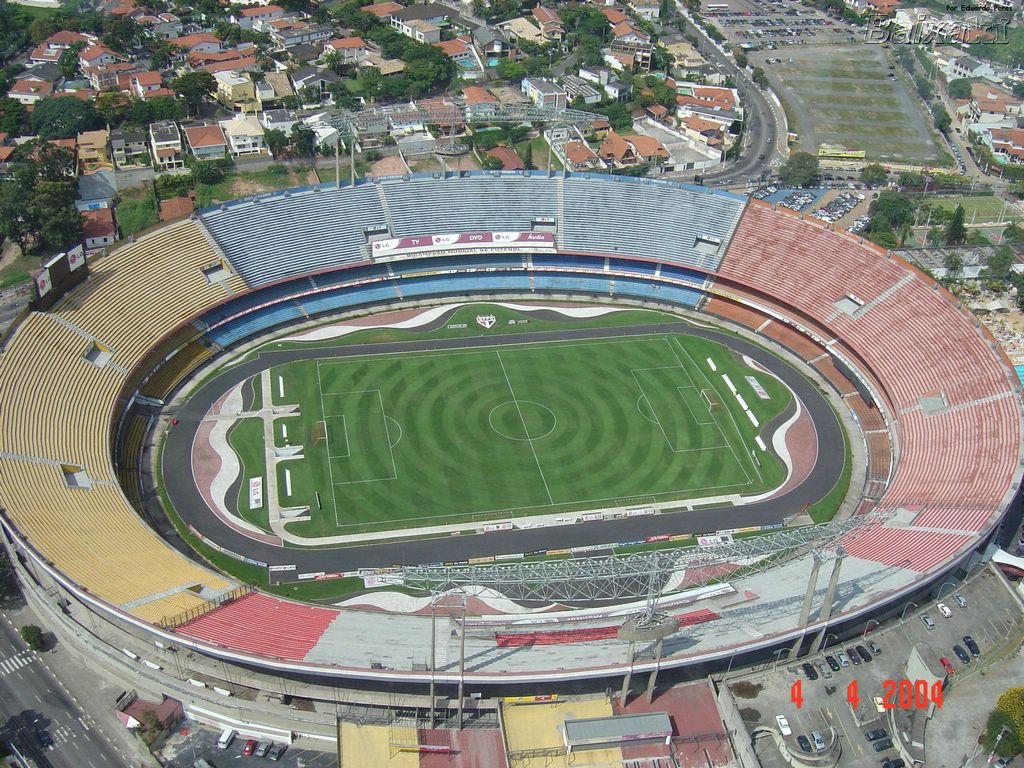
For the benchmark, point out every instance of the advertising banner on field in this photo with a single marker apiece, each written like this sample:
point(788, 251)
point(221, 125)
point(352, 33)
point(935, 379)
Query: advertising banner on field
point(468, 241)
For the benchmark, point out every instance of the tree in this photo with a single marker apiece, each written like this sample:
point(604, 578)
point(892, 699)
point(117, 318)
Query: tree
point(741, 59)
point(15, 223)
point(303, 140)
point(1013, 233)
point(956, 232)
point(759, 77)
point(999, 264)
point(63, 117)
point(1018, 89)
point(33, 637)
point(12, 116)
point(941, 118)
point(68, 61)
point(113, 107)
point(57, 223)
point(873, 174)
point(1001, 725)
point(276, 141)
point(959, 89)
point(800, 170)
point(666, 11)
point(208, 171)
point(508, 69)
point(895, 209)
point(528, 157)
point(953, 263)
point(42, 28)
point(193, 87)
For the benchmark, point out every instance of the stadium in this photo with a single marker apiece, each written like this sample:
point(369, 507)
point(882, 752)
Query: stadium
point(928, 403)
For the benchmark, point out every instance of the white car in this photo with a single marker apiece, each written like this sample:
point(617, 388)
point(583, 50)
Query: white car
point(944, 610)
point(783, 725)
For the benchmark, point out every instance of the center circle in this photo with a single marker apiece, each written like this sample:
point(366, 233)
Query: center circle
point(522, 420)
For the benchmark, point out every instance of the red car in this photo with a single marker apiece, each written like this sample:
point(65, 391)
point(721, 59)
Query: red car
point(250, 747)
point(947, 665)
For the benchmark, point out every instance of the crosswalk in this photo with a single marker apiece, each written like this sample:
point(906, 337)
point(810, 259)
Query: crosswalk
point(13, 663)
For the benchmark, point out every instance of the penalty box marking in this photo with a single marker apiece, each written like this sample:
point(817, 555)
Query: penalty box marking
point(387, 434)
point(712, 423)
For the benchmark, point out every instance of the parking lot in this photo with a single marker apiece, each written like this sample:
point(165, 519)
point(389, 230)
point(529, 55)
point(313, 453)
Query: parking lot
point(755, 25)
point(990, 616)
point(194, 741)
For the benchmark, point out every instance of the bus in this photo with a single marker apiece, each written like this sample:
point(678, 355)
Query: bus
point(717, 7)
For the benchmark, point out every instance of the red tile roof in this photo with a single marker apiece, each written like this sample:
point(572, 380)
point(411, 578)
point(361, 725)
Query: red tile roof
point(200, 136)
point(456, 47)
point(382, 10)
point(510, 160)
point(175, 208)
point(191, 41)
point(228, 66)
point(614, 16)
point(346, 42)
point(65, 37)
point(579, 153)
point(98, 223)
point(31, 87)
point(261, 10)
point(475, 94)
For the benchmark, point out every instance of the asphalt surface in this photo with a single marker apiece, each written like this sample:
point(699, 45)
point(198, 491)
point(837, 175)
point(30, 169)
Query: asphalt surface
point(33, 702)
point(186, 499)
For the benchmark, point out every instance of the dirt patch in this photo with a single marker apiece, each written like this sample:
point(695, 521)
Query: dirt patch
point(392, 165)
point(746, 690)
point(750, 715)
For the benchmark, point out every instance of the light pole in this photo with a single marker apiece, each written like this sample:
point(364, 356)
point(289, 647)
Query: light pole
point(904, 614)
point(778, 657)
point(867, 628)
point(938, 595)
point(824, 645)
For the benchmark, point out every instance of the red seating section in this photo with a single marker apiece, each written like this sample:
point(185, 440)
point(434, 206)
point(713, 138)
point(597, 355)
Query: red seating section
point(957, 463)
point(562, 636)
point(255, 623)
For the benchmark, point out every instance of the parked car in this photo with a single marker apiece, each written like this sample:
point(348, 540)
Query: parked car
point(881, 746)
point(277, 751)
point(819, 743)
point(874, 647)
point(1002, 762)
point(927, 621)
point(896, 762)
point(960, 600)
point(972, 646)
point(947, 665)
point(783, 725)
point(804, 743)
point(854, 656)
point(961, 654)
point(264, 748)
point(944, 610)
point(843, 659)
point(865, 656)
point(810, 671)
point(879, 703)
point(875, 734)
point(832, 663)
point(44, 739)
point(250, 747)
point(825, 671)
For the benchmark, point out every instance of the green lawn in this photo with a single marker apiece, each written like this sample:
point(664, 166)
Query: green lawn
point(246, 438)
point(977, 209)
point(16, 271)
point(136, 211)
point(483, 434)
point(243, 183)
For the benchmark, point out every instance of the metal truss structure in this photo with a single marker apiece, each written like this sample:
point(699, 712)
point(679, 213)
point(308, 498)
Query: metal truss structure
point(639, 575)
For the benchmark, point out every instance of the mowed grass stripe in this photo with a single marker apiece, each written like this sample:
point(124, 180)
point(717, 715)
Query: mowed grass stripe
point(481, 437)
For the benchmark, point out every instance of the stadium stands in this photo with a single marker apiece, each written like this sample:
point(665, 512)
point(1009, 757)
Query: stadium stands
point(585, 635)
point(285, 234)
point(262, 624)
point(662, 292)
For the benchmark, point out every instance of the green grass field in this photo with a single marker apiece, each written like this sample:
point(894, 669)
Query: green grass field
point(978, 209)
point(411, 439)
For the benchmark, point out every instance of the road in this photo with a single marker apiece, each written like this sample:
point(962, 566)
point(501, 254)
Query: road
point(187, 500)
point(33, 700)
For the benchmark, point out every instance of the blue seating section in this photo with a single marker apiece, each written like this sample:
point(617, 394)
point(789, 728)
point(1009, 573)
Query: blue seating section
point(608, 214)
point(670, 294)
point(448, 284)
point(347, 275)
point(253, 323)
point(584, 262)
point(678, 273)
point(250, 300)
point(479, 203)
point(289, 234)
point(333, 301)
point(626, 265)
point(570, 283)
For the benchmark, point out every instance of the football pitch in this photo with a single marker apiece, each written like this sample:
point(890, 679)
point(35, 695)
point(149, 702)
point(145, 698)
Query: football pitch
point(425, 438)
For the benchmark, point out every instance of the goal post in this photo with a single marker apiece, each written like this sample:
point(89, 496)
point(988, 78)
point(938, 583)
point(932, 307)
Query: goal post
point(711, 399)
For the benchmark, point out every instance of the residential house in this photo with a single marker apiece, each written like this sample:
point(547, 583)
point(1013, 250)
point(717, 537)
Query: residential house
point(244, 134)
point(240, 51)
point(1007, 145)
point(522, 29)
point(708, 101)
point(624, 151)
point(687, 60)
point(992, 106)
point(30, 91)
point(649, 10)
point(386, 67)
point(165, 144)
point(883, 8)
point(382, 10)
point(177, 207)
point(970, 67)
point(287, 34)
point(480, 103)
point(578, 156)
point(246, 64)
point(96, 190)
point(98, 228)
point(127, 147)
point(274, 87)
point(550, 23)
point(320, 80)
point(97, 56)
point(351, 50)
point(461, 51)
point(508, 157)
point(279, 120)
point(631, 45)
point(245, 17)
point(207, 142)
point(614, 15)
point(422, 21)
point(92, 148)
point(235, 90)
point(490, 43)
point(200, 42)
point(543, 92)
point(49, 51)
point(619, 90)
point(703, 131)
point(102, 78)
point(142, 84)
point(597, 74)
point(578, 88)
